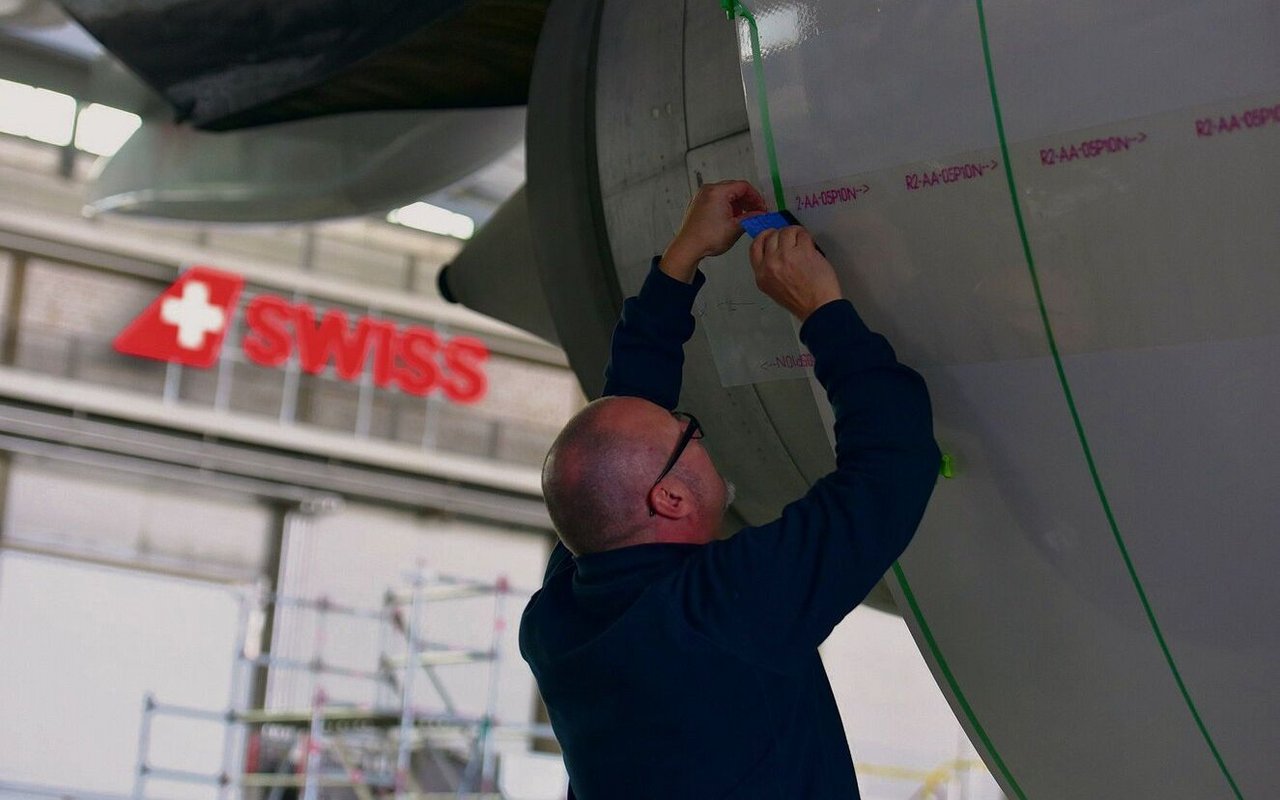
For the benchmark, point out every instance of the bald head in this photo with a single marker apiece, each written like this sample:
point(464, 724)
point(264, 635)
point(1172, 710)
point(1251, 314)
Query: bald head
point(598, 474)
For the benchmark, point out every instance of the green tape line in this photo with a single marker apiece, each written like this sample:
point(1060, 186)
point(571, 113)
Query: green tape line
point(1075, 415)
point(734, 8)
point(946, 469)
point(951, 681)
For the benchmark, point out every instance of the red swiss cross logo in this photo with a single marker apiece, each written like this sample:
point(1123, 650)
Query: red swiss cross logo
point(187, 323)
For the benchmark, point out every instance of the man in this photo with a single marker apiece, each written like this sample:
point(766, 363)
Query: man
point(674, 663)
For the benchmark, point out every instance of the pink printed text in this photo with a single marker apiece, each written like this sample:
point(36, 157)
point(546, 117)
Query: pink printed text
point(831, 197)
point(789, 361)
point(1090, 148)
point(950, 174)
point(1230, 123)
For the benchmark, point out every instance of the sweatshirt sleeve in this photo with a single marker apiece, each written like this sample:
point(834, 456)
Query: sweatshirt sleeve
point(774, 592)
point(646, 358)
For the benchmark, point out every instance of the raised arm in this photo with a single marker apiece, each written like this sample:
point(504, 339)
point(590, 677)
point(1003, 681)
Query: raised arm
point(774, 593)
point(647, 354)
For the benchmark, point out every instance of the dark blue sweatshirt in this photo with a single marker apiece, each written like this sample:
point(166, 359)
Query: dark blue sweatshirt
point(692, 671)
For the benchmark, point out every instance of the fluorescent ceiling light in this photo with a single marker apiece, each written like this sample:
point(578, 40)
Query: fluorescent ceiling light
point(102, 130)
point(433, 219)
point(36, 113)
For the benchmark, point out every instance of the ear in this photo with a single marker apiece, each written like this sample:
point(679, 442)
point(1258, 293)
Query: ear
point(671, 498)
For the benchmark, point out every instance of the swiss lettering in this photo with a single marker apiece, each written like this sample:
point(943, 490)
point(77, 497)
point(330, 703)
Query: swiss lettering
point(268, 341)
point(419, 372)
point(413, 358)
point(331, 341)
point(463, 356)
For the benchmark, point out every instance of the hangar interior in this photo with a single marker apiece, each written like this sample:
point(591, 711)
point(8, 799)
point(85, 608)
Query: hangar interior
point(203, 570)
point(227, 538)
point(269, 562)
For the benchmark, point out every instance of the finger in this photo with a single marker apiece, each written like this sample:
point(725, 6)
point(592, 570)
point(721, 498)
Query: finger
point(725, 190)
point(744, 208)
point(709, 193)
point(725, 198)
point(749, 200)
point(774, 242)
point(741, 194)
point(737, 188)
point(757, 248)
point(804, 239)
point(790, 236)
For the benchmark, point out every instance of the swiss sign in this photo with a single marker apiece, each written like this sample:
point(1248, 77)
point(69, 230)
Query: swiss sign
point(187, 323)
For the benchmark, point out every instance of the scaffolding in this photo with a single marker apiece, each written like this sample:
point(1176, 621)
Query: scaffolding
point(389, 748)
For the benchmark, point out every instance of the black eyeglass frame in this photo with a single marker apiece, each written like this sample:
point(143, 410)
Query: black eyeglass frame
point(692, 431)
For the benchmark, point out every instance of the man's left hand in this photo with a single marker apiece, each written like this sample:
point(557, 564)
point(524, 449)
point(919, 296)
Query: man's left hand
point(712, 223)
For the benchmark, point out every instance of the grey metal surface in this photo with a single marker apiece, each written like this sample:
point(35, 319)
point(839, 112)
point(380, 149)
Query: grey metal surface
point(712, 107)
point(639, 113)
point(641, 217)
point(329, 167)
point(232, 64)
point(496, 274)
point(570, 243)
point(1091, 589)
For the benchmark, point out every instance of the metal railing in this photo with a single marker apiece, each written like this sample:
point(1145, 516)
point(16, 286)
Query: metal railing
point(364, 749)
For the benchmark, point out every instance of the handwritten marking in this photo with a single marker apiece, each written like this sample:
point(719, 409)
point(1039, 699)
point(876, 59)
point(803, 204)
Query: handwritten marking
point(788, 361)
point(1090, 148)
point(949, 174)
point(829, 197)
point(1230, 123)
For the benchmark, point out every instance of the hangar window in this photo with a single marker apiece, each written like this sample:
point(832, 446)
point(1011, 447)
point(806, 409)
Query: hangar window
point(433, 219)
point(102, 130)
point(38, 114)
point(52, 118)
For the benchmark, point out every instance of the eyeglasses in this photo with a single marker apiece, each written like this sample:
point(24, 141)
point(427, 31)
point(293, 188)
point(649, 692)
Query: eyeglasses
point(693, 430)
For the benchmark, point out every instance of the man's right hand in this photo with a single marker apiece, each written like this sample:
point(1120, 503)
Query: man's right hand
point(789, 268)
point(711, 225)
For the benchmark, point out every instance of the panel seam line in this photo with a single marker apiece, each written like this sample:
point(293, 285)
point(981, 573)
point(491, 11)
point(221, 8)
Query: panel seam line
point(1075, 415)
point(735, 8)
